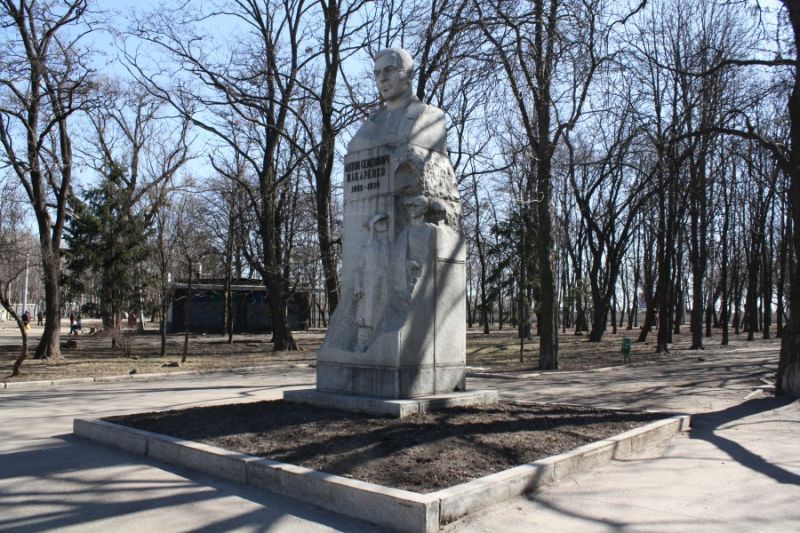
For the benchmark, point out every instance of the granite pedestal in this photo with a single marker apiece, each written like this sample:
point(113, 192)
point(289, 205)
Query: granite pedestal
point(391, 407)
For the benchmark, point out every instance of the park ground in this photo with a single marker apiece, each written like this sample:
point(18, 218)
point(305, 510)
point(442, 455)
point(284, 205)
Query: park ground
point(738, 470)
point(499, 351)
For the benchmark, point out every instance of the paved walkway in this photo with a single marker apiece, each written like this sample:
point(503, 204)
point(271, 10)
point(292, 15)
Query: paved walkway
point(739, 470)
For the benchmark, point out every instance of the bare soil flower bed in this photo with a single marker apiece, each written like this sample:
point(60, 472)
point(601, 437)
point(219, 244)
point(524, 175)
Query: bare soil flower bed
point(422, 453)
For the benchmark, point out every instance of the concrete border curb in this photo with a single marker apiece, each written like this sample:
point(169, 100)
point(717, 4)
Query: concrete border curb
point(400, 408)
point(37, 384)
point(389, 507)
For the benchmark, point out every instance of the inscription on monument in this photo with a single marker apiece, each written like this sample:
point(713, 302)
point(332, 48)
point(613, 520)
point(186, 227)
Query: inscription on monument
point(366, 174)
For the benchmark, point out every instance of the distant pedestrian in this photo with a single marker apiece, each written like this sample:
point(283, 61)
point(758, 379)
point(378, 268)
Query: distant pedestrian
point(26, 320)
point(76, 324)
point(132, 319)
point(39, 318)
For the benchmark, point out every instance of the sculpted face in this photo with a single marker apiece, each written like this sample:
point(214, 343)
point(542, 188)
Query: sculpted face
point(390, 76)
point(415, 206)
point(382, 225)
point(379, 222)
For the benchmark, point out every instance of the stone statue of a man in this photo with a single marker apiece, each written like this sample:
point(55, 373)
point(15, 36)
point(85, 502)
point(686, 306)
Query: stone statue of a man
point(399, 330)
point(402, 119)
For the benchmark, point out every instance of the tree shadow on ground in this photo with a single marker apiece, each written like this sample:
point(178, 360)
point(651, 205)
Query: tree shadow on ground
point(707, 426)
point(77, 484)
point(421, 453)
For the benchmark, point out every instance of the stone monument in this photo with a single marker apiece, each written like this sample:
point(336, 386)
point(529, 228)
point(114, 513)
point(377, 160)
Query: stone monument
point(400, 328)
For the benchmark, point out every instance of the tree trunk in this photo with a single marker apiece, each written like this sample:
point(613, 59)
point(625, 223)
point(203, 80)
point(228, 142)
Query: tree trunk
point(599, 317)
point(281, 332)
point(697, 255)
point(23, 354)
point(187, 314)
point(470, 307)
point(723, 275)
point(614, 316)
point(327, 151)
point(565, 318)
point(6, 304)
point(227, 294)
point(548, 326)
point(737, 295)
point(500, 306)
point(665, 256)
point(524, 326)
point(479, 244)
point(548, 304)
point(50, 344)
point(327, 248)
point(709, 316)
point(767, 259)
point(163, 349)
point(648, 290)
point(782, 276)
point(271, 273)
point(679, 303)
point(788, 375)
point(751, 302)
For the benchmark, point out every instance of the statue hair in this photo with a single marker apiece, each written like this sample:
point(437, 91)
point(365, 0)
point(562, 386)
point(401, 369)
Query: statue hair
point(405, 59)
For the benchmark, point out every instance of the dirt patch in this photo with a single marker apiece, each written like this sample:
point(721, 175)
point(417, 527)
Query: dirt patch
point(422, 453)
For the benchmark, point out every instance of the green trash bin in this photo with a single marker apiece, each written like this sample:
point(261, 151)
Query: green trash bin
point(626, 348)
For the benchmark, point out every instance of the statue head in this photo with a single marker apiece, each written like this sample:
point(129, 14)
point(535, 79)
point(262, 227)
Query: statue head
point(394, 70)
point(415, 206)
point(377, 223)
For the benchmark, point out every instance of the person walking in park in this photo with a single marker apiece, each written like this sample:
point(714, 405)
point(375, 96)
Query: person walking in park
point(76, 324)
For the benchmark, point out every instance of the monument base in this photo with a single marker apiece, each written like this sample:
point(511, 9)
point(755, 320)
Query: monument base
point(389, 382)
point(384, 406)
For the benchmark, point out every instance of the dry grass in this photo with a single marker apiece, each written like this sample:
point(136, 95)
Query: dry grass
point(496, 352)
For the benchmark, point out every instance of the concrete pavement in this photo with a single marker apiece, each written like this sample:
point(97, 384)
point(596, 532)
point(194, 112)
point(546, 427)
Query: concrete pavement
point(51, 481)
point(739, 470)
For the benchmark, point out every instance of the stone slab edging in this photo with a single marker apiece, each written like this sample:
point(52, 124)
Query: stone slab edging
point(385, 506)
point(34, 384)
point(400, 408)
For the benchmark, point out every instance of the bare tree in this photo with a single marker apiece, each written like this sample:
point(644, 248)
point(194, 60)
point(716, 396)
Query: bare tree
point(137, 151)
point(44, 81)
point(787, 156)
point(609, 191)
point(16, 252)
point(549, 52)
point(248, 99)
point(788, 376)
point(220, 215)
point(332, 117)
point(192, 247)
point(165, 241)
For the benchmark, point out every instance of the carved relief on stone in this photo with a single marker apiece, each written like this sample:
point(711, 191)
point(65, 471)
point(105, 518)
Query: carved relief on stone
point(371, 284)
point(413, 241)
